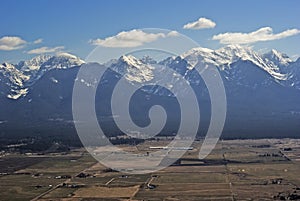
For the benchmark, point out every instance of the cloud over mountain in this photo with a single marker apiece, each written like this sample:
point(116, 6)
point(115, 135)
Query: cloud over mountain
point(132, 38)
point(201, 23)
point(262, 34)
point(43, 50)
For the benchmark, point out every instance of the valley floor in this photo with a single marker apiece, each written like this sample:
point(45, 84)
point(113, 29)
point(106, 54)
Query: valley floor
point(265, 169)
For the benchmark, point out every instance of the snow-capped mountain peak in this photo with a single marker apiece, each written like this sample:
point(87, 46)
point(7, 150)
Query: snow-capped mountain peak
point(236, 52)
point(68, 59)
point(135, 69)
point(33, 64)
point(131, 60)
point(14, 76)
point(61, 60)
point(26, 73)
point(226, 56)
point(276, 58)
point(221, 57)
point(233, 60)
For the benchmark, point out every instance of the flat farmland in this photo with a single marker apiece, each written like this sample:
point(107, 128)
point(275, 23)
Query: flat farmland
point(265, 169)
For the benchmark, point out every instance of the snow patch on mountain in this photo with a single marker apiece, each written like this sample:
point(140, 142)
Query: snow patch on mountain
point(17, 93)
point(226, 56)
point(236, 63)
point(276, 58)
point(134, 69)
point(24, 74)
point(15, 76)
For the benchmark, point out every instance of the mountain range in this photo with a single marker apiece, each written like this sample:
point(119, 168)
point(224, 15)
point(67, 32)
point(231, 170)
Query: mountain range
point(263, 92)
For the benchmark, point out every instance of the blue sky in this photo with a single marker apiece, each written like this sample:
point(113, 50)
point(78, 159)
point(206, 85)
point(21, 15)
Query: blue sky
point(69, 25)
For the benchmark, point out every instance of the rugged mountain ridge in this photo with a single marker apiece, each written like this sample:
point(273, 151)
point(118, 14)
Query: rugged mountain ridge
point(26, 73)
point(263, 91)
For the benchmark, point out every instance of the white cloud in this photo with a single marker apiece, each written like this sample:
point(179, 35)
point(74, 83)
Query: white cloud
point(8, 43)
point(43, 50)
point(132, 38)
point(173, 34)
point(201, 23)
point(38, 41)
point(262, 34)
